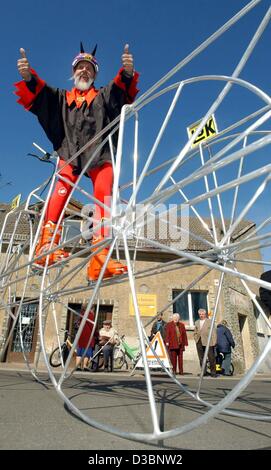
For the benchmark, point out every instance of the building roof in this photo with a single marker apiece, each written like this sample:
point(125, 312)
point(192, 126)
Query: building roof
point(157, 229)
point(22, 231)
point(191, 234)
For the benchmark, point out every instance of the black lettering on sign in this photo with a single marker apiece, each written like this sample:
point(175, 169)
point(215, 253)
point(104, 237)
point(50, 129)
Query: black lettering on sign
point(210, 127)
point(208, 131)
point(200, 137)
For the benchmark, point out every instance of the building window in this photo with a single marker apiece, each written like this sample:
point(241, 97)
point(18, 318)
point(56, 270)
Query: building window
point(71, 229)
point(26, 329)
point(188, 305)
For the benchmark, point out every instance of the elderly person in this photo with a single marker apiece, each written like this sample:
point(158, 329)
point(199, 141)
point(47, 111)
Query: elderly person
point(70, 120)
point(108, 337)
point(225, 343)
point(201, 333)
point(176, 340)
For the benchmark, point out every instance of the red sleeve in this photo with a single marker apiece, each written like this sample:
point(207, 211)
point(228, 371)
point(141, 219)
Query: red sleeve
point(132, 90)
point(167, 333)
point(27, 97)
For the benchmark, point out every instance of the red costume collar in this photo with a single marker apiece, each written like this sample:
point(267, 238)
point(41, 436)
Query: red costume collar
point(80, 96)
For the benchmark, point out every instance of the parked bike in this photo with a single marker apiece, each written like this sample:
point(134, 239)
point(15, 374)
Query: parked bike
point(123, 352)
point(59, 355)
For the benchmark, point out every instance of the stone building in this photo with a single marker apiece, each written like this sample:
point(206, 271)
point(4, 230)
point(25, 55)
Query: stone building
point(155, 293)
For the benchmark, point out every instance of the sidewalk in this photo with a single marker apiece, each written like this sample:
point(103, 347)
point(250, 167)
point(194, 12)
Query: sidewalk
point(33, 416)
point(22, 367)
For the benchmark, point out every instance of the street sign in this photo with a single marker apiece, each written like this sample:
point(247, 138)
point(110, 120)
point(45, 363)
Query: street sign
point(15, 202)
point(147, 304)
point(209, 130)
point(159, 347)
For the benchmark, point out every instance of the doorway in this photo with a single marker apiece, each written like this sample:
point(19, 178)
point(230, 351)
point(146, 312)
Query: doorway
point(28, 330)
point(105, 313)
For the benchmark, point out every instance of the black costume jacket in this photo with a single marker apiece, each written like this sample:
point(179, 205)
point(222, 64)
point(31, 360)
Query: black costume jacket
point(71, 118)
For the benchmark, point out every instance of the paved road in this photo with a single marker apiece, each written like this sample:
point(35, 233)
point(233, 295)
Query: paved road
point(34, 416)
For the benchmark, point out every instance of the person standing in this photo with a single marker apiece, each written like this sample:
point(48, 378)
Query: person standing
point(70, 120)
point(225, 343)
point(85, 346)
point(176, 340)
point(201, 333)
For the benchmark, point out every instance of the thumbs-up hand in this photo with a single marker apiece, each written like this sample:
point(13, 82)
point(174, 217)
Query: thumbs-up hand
point(127, 61)
point(24, 66)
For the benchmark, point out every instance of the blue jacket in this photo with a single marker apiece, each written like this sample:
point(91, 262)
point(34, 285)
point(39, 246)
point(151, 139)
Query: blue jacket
point(225, 340)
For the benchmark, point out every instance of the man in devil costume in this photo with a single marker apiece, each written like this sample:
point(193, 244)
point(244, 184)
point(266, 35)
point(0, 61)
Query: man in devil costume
point(70, 119)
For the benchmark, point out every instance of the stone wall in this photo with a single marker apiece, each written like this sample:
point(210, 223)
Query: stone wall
point(234, 302)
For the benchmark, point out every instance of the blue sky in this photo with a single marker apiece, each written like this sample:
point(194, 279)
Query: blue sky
point(160, 34)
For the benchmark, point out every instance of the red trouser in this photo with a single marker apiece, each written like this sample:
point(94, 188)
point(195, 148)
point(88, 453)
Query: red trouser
point(102, 180)
point(174, 354)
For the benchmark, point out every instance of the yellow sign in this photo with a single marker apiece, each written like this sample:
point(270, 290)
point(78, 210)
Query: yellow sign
point(209, 130)
point(147, 304)
point(158, 346)
point(15, 202)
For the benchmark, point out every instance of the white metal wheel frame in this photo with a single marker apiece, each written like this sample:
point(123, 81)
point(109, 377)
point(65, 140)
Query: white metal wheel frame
point(16, 274)
point(220, 250)
point(220, 254)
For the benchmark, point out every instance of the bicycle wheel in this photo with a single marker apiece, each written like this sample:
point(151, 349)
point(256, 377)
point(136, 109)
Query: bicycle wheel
point(118, 358)
point(55, 357)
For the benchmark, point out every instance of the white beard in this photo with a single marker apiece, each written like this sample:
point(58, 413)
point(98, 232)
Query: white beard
point(81, 84)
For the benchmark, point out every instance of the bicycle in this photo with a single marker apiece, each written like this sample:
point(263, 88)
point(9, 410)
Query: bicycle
point(122, 352)
point(55, 356)
point(219, 360)
point(59, 355)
